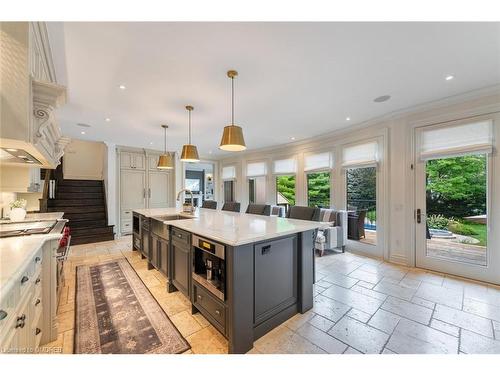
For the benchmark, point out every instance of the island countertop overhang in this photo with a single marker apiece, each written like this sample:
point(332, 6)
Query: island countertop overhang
point(234, 228)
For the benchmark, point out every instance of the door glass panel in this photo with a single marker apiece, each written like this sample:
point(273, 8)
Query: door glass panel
point(257, 189)
point(285, 191)
point(456, 207)
point(229, 191)
point(318, 189)
point(362, 204)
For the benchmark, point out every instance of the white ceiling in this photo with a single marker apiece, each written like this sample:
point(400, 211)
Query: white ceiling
point(295, 79)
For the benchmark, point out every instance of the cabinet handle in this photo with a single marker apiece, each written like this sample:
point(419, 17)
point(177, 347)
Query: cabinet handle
point(3, 314)
point(37, 259)
point(200, 297)
point(21, 321)
point(38, 281)
point(266, 249)
point(217, 312)
point(37, 331)
point(37, 301)
point(24, 279)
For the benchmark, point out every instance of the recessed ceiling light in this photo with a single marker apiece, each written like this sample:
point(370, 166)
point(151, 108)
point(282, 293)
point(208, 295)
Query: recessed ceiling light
point(122, 87)
point(449, 77)
point(292, 138)
point(150, 143)
point(82, 132)
point(11, 149)
point(348, 119)
point(107, 119)
point(382, 99)
point(210, 151)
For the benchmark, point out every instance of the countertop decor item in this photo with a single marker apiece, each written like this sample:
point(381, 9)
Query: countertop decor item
point(116, 313)
point(189, 151)
point(165, 161)
point(18, 210)
point(232, 138)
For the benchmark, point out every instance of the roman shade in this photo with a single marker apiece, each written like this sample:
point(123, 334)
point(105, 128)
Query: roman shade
point(229, 172)
point(448, 141)
point(318, 161)
point(256, 169)
point(360, 155)
point(285, 166)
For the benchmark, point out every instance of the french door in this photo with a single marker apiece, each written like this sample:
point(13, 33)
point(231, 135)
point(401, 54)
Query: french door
point(454, 200)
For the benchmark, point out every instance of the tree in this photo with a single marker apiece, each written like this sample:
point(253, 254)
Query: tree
point(456, 187)
point(362, 187)
point(318, 189)
point(286, 186)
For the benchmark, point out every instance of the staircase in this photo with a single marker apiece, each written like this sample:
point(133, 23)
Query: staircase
point(84, 205)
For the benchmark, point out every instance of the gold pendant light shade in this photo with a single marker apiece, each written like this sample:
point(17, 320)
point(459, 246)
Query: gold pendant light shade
point(189, 152)
point(232, 137)
point(165, 161)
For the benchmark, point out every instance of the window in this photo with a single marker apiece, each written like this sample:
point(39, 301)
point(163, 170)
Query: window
point(314, 162)
point(285, 166)
point(229, 191)
point(256, 169)
point(362, 204)
point(229, 172)
point(318, 189)
point(257, 189)
point(285, 191)
point(360, 155)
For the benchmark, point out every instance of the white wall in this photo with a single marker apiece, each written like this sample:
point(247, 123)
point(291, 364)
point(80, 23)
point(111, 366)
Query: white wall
point(84, 160)
point(395, 177)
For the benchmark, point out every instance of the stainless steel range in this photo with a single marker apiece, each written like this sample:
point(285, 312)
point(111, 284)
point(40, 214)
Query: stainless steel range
point(34, 227)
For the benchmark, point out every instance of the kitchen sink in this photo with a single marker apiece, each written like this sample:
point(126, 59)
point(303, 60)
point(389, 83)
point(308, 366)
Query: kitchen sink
point(172, 217)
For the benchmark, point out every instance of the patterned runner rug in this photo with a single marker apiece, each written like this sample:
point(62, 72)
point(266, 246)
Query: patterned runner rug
point(116, 313)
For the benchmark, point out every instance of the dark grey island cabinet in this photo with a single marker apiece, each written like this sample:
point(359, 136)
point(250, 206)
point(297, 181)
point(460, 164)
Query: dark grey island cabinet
point(181, 260)
point(267, 283)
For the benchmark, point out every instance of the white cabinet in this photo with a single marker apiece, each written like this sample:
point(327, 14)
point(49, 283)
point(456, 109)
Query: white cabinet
point(132, 189)
point(132, 160)
point(142, 185)
point(158, 191)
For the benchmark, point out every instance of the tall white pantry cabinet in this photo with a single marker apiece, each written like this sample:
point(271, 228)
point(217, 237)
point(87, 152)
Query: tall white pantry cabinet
point(141, 184)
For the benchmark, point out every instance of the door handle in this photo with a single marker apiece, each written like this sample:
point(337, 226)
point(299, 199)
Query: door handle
point(419, 215)
point(144, 193)
point(266, 249)
point(149, 193)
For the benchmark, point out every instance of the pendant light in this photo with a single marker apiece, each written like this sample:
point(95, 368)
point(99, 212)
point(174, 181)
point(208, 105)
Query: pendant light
point(165, 161)
point(232, 138)
point(189, 151)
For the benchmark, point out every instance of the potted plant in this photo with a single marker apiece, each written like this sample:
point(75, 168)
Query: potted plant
point(18, 210)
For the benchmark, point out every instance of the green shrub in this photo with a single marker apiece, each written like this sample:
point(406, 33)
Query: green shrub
point(437, 222)
point(460, 228)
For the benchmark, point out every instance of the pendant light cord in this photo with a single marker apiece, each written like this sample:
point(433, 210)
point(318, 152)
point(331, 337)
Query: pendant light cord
point(189, 141)
point(232, 101)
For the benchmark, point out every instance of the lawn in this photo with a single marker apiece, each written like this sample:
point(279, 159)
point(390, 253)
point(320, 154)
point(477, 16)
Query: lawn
point(480, 230)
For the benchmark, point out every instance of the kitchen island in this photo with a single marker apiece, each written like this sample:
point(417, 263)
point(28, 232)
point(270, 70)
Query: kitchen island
point(245, 273)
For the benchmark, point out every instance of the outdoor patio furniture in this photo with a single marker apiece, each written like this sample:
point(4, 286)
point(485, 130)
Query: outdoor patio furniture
point(356, 225)
point(231, 206)
point(210, 204)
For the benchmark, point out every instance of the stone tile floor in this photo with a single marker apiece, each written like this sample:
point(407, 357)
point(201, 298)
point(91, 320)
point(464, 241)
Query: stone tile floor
point(361, 305)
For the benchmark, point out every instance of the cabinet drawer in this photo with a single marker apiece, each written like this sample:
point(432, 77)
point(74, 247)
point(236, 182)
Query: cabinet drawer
point(126, 226)
point(211, 304)
point(181, 236)
point(126, 215)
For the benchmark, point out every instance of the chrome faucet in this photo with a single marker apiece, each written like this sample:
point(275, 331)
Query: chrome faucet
point(192, 200)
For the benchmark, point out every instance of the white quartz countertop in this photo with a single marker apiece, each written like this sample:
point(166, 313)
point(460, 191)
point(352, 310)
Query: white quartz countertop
point(234, 228)
point(15, 253)
point(150, 212)
point(46, 216)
